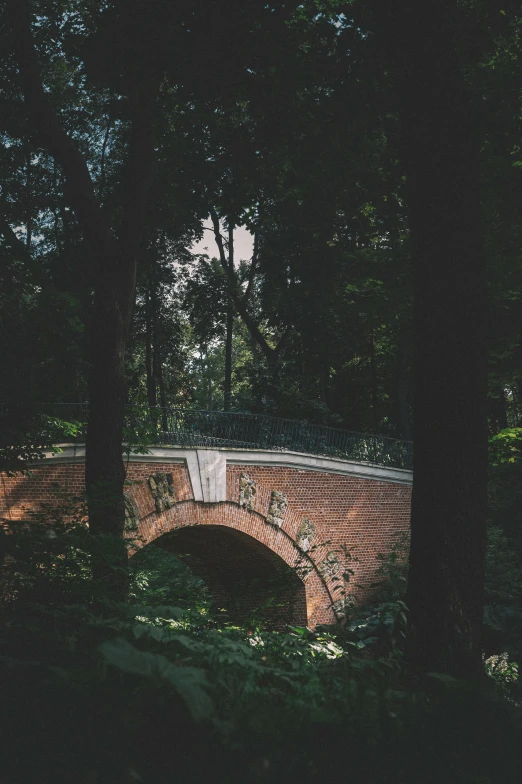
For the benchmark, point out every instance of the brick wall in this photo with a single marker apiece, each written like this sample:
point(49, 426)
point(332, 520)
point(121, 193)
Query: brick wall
point(340, 514)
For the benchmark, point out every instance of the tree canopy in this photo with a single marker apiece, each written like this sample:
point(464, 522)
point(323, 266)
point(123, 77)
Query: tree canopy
point(373, 153)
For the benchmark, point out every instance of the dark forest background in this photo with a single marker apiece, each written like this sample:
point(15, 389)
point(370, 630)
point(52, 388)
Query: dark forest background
point(373, 151)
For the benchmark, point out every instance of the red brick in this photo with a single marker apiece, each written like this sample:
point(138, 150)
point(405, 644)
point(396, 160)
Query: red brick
point(364, 516)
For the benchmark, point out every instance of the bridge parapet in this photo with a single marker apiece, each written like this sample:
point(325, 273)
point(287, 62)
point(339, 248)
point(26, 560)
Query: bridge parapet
point(234, 430)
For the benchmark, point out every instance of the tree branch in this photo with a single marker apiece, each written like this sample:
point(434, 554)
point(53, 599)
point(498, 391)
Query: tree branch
point(282, 341)
point(219, 239)
point(231, 246)
point(251, 272)
point(17, 245)
point(79, 186)
point(235, 296)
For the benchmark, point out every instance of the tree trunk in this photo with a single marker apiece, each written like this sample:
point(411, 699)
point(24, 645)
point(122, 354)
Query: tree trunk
point(229, 327)
point(517, 407)
point(373, 382)
point(157, 365)
point(238, 299)
point(158, 376)
point(497, 410)
point(114, 280)
point(29, 221)
point(104, 468)
point(207, 374)
point(227, 386)
point(403, 386)
point(440, 154)
point(151, 381)
point(115, 287)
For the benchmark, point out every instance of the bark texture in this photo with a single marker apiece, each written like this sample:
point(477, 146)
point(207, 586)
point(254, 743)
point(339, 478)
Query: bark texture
point(440, 155)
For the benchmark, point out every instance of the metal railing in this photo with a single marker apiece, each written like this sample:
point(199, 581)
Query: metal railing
point(210, 429)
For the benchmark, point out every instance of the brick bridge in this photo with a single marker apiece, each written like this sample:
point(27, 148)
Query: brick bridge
point(241, 515)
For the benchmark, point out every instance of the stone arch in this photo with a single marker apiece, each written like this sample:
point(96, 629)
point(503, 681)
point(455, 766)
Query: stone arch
point(247, 581)
point(229, 515)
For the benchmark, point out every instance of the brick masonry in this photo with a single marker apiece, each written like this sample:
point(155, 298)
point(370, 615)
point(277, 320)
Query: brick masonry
point(353, 519)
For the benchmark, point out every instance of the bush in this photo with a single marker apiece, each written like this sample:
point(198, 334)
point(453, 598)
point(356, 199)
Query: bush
point(157, 690)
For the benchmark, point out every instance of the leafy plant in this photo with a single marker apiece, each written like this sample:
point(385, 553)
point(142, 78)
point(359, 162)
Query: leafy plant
point(502, 671)
point(393, 570)
point(156, 689)
point(505, 447)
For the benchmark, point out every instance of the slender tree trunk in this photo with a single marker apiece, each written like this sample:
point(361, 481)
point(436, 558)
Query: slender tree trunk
point(501, 411)
point(324, 380)
point(158, 377)
point(517, 407)
point(151, 381)
point(239, 300)
point(227, 386)
point(157, 352)
point(103, 153)
point(28, 220)
point(229, 327)
point(440, 153)
point(207, 372)
point(403, 386)
point(373, 382)
point(497, 410)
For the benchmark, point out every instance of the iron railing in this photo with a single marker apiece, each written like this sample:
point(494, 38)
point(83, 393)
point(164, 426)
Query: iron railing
point(210, 429)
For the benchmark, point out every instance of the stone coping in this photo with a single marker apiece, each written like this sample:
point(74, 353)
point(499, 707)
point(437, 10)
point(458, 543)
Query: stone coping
point(198, 460)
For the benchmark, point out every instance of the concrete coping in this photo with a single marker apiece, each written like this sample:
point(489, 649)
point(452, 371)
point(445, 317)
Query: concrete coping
point(198, 461)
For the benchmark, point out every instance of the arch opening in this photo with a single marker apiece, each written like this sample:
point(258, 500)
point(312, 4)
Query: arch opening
point(248, 582)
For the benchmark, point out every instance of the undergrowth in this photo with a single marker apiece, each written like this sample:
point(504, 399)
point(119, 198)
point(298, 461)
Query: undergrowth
point(160, 689)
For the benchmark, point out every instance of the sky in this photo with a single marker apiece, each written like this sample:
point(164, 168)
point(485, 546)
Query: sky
point(243, 243)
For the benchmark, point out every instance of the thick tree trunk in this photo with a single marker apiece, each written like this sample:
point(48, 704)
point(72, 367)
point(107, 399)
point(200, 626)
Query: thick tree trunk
point(104, 468)
point(440, 153)
point(115, 286)
point(114, 279)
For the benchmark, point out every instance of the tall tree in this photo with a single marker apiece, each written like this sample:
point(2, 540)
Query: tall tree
point(440, 151)
point(115, 252)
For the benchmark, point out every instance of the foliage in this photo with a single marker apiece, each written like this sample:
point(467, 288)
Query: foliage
point(393, 570)
point(505, 447)
point(503, 569)
point(502, 671)
point(322, 188)
point(158, 577)
point(27, 435)
point(292, 129)
point(503, 594)
point(157, 687)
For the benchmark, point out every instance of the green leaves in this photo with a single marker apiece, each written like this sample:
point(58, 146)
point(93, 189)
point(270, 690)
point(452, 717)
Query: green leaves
point(189, 682)
point(506, 446)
